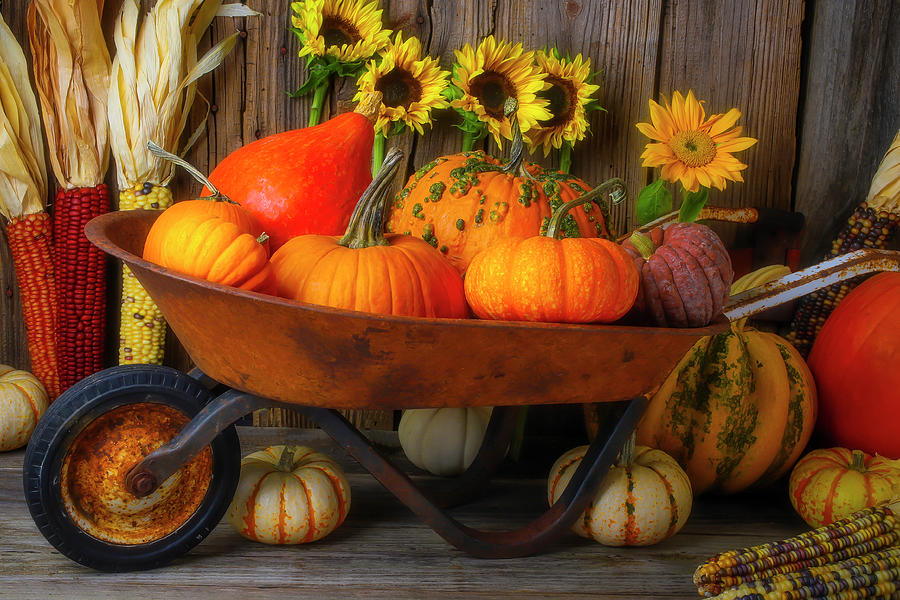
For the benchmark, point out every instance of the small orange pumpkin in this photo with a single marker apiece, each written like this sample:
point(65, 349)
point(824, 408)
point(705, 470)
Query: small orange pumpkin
point(367, 271)
point(645, 498)
point(541, 278)
point(829, 484)
point(289, 495)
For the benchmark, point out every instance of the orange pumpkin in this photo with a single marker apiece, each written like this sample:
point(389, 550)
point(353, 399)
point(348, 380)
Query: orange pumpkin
point(367, 271)
point(541, 278)
point(289, 495)
point(216, 241)
point(461, 203)
point(854, 360)
point(832, 483)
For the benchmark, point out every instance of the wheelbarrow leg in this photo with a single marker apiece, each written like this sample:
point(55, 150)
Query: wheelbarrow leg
point(523, 541)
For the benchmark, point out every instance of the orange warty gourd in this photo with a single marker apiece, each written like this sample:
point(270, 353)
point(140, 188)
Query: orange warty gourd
point(305, 180)
point(541, 278)
point(368, 271)
point(461, 203)
point(829, 484)
point(216, 241)
point(855, 362)
point(289, 495)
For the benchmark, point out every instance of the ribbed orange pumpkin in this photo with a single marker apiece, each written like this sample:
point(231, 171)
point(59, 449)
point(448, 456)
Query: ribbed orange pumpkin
point(216, 241)
point(461, 203)
point(645, 498)
point(367, 271)
point(289, 495)
point(855, 362)
point(541, 278)
point(829, 484)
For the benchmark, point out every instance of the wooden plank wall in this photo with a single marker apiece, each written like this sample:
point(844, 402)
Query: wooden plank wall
point(816, 82)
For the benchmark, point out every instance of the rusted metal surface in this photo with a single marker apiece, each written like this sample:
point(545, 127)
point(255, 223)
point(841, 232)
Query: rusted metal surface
point(318, 356)
point(797, 284)
point(92, 478)
point(528, 539)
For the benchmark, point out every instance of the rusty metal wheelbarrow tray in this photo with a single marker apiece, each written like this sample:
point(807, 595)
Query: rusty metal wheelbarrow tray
point(318, 356)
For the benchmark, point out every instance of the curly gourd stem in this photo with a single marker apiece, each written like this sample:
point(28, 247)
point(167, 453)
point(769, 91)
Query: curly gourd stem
point(158, 152)
point(516, 164)
point(617, 193)
point(366, 226)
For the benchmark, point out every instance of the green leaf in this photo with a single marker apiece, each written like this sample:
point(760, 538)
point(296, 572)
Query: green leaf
point(653, 201)
point(691, 204)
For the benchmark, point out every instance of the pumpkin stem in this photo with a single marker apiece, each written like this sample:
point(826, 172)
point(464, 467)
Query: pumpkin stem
point(618, 191)
point(516, 164)
point(158, 152)
point(626, 456)
point(859, 461)
point(643, 244)
point(369, 104)
point(366, 226)
point(286, 460)
point(263, 238)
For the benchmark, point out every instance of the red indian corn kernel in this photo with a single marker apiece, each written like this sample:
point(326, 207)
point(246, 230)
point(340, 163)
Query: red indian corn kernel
point(80, 269)
point(30, 243)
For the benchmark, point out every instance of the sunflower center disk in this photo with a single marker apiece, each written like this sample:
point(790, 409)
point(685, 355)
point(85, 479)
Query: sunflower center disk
point(693, 148)
point(337, 32)
point(561, 97)
point(492, 89)
point(399, 88)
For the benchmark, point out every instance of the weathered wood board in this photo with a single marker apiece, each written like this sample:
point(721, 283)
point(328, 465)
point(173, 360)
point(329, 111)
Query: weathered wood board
point(382, 550)
point(816, 83)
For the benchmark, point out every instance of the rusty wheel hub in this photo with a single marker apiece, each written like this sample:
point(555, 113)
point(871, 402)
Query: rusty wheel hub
point(92, 480)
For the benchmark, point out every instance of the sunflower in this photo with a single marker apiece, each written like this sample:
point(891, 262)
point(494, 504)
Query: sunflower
point(411, 86)
point(569, 97)
point(347, 30)
point(691, 148)
point(486, 77)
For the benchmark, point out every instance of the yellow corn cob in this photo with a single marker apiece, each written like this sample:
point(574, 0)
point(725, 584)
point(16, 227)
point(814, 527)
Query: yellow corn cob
point(142, 329)
point(864, 532)
point(869, 576)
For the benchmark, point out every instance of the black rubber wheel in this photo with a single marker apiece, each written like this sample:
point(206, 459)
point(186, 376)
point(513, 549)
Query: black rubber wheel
point(57, 453)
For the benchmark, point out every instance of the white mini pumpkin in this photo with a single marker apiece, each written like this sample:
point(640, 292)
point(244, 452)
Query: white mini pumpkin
point(289, 495)
point(443, 441)
point(23, 400)
point(644, 498)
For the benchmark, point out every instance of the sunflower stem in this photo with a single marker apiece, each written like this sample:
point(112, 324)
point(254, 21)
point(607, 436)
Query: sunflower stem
point(315, 110)
point(378, 153)
point(468, 141)
point(366, 226)
point(565, 157)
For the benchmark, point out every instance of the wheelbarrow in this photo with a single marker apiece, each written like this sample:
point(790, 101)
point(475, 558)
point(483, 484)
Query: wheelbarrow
point(135, 465)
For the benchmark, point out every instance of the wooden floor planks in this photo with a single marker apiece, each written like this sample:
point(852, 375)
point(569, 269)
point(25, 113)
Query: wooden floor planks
point(384, 551)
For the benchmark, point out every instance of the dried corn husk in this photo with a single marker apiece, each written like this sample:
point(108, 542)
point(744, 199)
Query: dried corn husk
point(23, 172)
point(153, 81)
point(884, 193)
point(71, 72)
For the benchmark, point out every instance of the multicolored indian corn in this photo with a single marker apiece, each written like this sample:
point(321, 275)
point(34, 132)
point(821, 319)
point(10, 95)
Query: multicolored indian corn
point(142, 328)
point(875, 529)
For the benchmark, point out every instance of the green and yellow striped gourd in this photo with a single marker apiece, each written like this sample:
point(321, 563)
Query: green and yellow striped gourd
point(739, 408)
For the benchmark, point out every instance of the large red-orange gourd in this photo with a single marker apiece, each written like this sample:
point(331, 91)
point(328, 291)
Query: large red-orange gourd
point(541, 278)
point(305, 180)
point(855, 361)
point(368, 271)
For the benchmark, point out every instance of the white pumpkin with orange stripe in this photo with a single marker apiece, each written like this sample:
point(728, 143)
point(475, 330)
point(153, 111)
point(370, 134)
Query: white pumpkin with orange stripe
point(289, 495)
point(645, 498)
point(23, 400)
point(829, 484)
